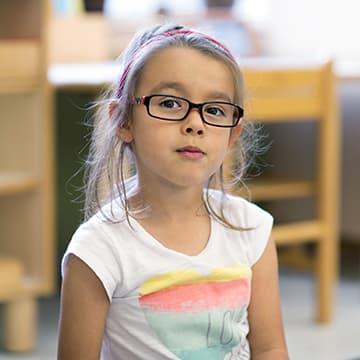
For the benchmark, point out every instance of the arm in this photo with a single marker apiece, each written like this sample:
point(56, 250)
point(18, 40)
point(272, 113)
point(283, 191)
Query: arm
point(266, 338)
point(83, 309)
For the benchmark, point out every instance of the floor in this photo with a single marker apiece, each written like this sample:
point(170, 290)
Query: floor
point(306, 340)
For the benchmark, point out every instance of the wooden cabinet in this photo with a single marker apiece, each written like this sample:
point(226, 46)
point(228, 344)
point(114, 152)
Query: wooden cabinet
point(285, 93)
point(26, 169)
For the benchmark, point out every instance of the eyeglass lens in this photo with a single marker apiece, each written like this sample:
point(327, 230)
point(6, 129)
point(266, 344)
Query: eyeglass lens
point(174, 108)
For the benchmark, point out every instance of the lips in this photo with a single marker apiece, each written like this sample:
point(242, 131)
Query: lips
point(191, 152)
point(190, 149)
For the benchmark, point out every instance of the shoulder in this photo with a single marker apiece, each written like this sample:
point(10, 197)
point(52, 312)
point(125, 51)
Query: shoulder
point(238, 210)
point(96, 243)
point(110, 216)
point(254, 222)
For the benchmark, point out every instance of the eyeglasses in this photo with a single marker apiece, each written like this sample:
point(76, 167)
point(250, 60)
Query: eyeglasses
point(173, 108)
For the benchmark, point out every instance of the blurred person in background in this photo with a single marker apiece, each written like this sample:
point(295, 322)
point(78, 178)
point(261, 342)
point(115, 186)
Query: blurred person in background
point(221, 22)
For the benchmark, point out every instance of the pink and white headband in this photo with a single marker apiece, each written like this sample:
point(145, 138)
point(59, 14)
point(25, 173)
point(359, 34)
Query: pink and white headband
point(159, 37)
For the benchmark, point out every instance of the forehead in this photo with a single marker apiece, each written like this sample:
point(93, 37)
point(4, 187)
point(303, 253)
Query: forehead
point(194, 72)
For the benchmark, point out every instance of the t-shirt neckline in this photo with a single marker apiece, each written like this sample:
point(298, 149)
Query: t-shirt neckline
point(151, 240)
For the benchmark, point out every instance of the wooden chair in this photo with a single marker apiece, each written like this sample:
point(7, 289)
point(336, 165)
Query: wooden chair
point(19, 307)
point(282, 92)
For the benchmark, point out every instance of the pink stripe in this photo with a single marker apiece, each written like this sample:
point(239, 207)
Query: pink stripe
point(195, 298)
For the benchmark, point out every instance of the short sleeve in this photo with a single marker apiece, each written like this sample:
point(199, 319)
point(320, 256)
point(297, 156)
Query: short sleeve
point(255, 222)
point(260, 235)
point(95, 248)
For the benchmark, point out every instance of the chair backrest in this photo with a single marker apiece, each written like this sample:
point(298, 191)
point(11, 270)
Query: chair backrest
point(282, 91)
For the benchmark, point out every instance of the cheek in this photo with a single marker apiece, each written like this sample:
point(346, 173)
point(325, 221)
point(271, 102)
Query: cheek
point(219, 152)
point(223, 144)
point(150, 143)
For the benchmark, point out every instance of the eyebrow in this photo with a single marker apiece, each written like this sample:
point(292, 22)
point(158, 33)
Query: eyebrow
point(174, 85)
point(219, 95)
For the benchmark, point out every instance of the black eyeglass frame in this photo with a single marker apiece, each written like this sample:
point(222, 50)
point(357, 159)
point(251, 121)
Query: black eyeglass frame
point(145, 100)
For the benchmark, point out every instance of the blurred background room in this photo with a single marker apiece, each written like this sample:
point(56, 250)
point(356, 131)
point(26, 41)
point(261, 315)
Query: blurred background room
point(301, 63)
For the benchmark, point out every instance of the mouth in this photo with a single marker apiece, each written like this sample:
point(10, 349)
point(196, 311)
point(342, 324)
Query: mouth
point(191, 152)
point(190, 149)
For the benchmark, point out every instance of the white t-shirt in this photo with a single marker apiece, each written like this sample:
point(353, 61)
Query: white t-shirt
point(168, 305)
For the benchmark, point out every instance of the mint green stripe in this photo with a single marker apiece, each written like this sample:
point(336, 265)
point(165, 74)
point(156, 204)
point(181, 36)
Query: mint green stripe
point(203, 354)
point(218, 328)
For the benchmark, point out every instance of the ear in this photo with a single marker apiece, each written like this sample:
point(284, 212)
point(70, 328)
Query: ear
point(123, 133)
point(235, 133)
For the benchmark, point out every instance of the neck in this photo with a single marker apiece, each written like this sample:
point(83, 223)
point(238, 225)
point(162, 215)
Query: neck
point(170, 204)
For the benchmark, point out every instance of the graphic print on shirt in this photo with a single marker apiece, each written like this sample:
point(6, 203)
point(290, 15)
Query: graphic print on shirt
point(199, 316)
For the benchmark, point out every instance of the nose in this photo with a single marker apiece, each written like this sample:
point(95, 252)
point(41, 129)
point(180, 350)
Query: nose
point(193, 123)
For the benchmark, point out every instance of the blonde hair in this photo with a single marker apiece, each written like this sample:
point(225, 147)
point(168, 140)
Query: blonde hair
point(110, 169)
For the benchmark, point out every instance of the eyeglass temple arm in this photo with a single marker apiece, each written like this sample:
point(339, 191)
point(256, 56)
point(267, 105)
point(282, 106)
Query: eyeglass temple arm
point(138, 101)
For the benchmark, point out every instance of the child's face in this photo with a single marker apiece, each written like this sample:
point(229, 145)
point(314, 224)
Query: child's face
point(180, 153)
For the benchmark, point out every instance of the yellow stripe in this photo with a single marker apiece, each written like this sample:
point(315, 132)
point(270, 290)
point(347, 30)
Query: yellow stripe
point(187, 276)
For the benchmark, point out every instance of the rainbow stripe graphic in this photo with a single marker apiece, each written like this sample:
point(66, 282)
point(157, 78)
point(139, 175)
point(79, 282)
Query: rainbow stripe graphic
point(196, 316)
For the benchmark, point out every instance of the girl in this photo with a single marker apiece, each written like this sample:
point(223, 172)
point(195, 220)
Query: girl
point(164, 267)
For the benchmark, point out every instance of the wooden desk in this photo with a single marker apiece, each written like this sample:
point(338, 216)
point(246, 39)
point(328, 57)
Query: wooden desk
point(82, 76)
point(93, 76)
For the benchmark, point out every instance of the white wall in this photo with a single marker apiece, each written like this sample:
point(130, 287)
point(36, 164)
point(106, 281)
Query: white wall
point(313, 27)
point(290, 27)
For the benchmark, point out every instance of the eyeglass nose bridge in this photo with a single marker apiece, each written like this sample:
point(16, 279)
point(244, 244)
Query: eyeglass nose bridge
point(198, 107)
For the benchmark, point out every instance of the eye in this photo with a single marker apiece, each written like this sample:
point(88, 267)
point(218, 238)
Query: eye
point(170, 103)
point(215, 110)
